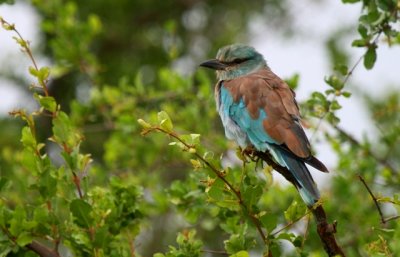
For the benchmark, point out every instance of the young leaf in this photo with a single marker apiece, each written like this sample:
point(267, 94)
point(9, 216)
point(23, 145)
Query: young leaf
point(24, 238)
point(240, 254)
point(81, 211)
point(28, 139)
point(47, 102)
point(370, 58)
point(165, 121)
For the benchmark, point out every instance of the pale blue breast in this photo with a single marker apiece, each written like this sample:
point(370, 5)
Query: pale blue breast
point(232, 130)
point(239, 125)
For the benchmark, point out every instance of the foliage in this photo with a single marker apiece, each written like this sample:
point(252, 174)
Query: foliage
point(133, 195)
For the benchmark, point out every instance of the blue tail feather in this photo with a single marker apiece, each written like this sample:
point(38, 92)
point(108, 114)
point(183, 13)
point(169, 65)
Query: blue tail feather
point(306, 185)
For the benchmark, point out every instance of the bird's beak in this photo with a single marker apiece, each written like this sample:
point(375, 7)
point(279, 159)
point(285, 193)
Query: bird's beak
point(214, 64)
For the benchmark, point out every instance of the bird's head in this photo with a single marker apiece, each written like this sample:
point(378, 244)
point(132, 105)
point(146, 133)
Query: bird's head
point(236, 60)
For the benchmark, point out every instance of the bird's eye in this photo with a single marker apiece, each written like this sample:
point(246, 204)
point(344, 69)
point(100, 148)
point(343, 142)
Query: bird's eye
point(239, 60)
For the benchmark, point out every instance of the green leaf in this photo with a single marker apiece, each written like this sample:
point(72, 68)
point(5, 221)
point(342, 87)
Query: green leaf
point(43, 73)
point(33, 71)
point(360, 42)
point(342, 69)
point(63, 130)
point(346, 94)
point(252, 194)
point(100, 238)
point(143, 123)
point(165, 121)
point(240, 254)
point(94, 23)
point(269, 222)
point(370, 58)
point(17, 220)
point(81, 211)
point(28, 138)
point(363, 31)
point(47, 102)
point(335, 82)
point(293, 81)
point(158, 255)
point(335, 105)
point(5, 183)
point(216, 190)
point(294, 211)
point(24, 238)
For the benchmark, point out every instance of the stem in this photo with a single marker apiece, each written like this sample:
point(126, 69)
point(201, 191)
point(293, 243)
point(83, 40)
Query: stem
point(28, 51)
point(77, 183)
point(220, 175)
point(345, 80)
point(373, 198)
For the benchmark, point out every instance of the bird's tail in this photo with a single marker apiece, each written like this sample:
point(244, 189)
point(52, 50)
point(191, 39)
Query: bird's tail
point(304, 182)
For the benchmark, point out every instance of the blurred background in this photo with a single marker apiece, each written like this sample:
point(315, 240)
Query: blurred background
point(114, 62)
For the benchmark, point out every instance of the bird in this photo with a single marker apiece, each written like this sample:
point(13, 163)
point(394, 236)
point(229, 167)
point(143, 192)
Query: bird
point(258, 109)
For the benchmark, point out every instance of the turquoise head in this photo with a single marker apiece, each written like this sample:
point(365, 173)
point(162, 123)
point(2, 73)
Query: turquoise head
point(236, 60)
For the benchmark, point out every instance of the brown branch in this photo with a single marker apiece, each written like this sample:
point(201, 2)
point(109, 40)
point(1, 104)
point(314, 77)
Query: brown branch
point(325, 230)
point(41, 249)
point(77, 183)
point(373, 198)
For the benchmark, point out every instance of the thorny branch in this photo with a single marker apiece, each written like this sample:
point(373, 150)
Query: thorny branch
point(325, 230)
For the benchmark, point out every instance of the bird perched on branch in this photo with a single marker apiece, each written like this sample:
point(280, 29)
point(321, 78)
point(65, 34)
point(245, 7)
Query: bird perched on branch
point(258, 109)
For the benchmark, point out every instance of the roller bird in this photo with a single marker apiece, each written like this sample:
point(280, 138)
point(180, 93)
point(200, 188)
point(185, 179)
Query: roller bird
point(258, 109)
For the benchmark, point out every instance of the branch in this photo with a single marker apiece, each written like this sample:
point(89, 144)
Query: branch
point(41, 249)
point(25, 48)
point(325, 230)
point(220, 175)
point(395, 217)
point(345, 80)
point(373, 198)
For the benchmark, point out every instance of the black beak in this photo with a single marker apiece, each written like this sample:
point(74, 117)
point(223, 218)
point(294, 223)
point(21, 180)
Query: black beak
point(214, 64)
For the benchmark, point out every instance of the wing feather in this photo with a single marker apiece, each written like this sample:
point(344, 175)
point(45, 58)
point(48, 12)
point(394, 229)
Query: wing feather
point(263, 91)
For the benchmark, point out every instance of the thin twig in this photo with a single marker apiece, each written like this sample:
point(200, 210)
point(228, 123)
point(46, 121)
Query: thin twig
point(373, 198)
point(306, 232)
point(290, 223)
point(394, 217)
point(26, 48)
point(345, 80)
point(221, 176)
